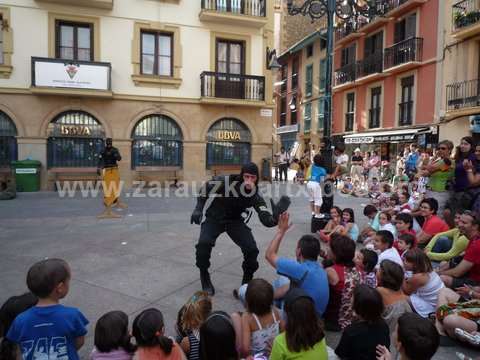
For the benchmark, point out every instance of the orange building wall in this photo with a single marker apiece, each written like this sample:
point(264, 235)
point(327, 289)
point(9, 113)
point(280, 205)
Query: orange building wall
point(425, 77)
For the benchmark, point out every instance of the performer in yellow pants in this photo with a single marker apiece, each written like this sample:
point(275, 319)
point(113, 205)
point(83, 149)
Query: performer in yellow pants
point(111, 180)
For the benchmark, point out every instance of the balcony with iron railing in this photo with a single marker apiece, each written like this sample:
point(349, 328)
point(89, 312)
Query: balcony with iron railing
point(405, 113)
point(465, 18)
point(217, 86)
point(376, 16)
point(463, 95)
point(346, 74)
point(249, 13)
point(372, 64)
point(403, 55)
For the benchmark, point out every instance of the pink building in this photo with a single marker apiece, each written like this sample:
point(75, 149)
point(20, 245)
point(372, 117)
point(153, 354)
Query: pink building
point(384, 90)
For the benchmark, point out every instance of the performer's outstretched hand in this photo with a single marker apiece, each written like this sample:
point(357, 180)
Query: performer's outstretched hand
point(284, 223)
point(280, 207)
point(196, 217)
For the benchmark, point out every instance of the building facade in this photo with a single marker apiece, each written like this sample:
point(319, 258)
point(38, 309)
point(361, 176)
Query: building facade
point(299, 94)
point(181, 86)
point(386, 78)
point(461, 66)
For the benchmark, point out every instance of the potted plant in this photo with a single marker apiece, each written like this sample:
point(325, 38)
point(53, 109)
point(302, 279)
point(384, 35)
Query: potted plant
point(459, 19)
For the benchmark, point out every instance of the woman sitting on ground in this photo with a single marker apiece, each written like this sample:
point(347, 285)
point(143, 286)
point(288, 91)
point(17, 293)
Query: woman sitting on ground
point(423, 285)
point(347, 226)
point(343, 277)
point(335, 220)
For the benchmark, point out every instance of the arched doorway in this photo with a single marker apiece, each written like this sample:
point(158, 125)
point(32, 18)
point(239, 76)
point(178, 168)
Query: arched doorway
point(8, 140)
point(75, 139)
point(228, 143)
point(157, 141)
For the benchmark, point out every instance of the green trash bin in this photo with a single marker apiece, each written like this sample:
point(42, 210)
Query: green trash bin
point(27, 175)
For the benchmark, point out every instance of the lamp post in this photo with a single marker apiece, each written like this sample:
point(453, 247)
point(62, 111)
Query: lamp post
point(344, 10)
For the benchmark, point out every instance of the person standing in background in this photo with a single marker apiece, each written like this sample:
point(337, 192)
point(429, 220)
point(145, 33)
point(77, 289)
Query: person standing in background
point(283, 163)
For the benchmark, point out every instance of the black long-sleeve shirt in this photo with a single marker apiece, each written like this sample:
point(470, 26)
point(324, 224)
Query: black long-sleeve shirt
point(228, 202)
point(108, 158)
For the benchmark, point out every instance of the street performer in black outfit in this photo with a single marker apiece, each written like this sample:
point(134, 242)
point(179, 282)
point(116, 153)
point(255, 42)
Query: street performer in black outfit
point(232, 196)
point(111, 180)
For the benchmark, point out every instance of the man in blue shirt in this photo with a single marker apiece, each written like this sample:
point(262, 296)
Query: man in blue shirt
point(304, 272)
point(412, 159)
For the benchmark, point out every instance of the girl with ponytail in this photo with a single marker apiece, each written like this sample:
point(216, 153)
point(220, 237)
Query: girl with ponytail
point(148, 330)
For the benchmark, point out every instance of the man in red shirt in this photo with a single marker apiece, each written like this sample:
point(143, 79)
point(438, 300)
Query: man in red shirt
point(433, 224)
point(468, 271)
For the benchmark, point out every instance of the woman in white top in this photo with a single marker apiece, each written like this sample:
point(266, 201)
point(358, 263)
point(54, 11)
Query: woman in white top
point(423, 285)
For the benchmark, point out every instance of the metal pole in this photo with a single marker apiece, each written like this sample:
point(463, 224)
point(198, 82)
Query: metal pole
point(327, 119)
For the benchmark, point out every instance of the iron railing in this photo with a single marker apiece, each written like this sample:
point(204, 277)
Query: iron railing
point(370, 65)
point(349, 119)
point(374, 118)
point(228, 153)
point(463, 94)
point(349, 27)
point(405, 113)
point(232, 86)
point(345, 74)
point(240, 7)
point(73, 152)
point(403, 52)
point(465, 13)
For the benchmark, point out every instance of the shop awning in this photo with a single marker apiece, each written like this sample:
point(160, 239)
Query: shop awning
point(384, 136)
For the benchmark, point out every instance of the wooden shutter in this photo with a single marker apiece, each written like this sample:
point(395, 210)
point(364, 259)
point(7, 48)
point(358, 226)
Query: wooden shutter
point(399, 31)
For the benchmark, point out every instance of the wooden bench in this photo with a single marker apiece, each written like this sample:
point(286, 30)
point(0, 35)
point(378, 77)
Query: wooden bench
point(74, 174)
point(170, 172)
point(225, 169)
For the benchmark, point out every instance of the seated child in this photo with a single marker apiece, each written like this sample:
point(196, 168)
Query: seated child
point(196, 310)
point(112, 338)
point(261, 323)
point(383, 243)
point(366, 260)
point(13, 307)
point(360, 339)
point(358, 189)
point(374, 189)
point(417, 338)
point(383, 199)
point(405, 243)
point(347, 186)
point(148, 329)
point(385, 223)
point(49, 322)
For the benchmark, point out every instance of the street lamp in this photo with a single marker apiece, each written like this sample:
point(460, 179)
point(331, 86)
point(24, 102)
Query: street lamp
point(344, 10)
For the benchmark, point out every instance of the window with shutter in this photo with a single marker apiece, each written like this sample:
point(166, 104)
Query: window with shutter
point(308, 80)
point(323, 75)
point(307, 118)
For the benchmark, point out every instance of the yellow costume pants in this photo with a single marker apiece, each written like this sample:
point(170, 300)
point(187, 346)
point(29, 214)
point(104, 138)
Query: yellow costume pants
point(111, 186)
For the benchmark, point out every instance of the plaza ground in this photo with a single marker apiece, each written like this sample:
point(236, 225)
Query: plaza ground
point(146, 259)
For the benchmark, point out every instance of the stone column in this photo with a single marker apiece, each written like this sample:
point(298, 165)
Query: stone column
point(194, 161)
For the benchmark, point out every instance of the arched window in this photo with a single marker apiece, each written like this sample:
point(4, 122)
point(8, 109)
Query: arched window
point(75, 140)
point(228, 143)
point(8, 141)
point(157, 141)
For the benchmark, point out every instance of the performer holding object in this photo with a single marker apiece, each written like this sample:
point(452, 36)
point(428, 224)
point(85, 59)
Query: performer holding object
point(111, 180)
point(231, 196)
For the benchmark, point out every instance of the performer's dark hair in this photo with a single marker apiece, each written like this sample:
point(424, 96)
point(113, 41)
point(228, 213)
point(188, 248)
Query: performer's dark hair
point(309, 247)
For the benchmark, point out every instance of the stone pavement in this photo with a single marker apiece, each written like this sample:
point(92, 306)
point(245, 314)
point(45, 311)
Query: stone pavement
point(145, 259)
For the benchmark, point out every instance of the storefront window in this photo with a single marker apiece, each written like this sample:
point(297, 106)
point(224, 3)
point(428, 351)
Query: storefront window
point(228, 143)
point(157, 141)
point(8, 141)
point(75, 140)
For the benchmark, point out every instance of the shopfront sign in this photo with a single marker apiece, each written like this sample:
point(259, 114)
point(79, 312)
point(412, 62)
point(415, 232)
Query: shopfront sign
point(75, 130)
point(57, 73)
point(287, 129)
point(360, 140)
point(396, 138)
point(226, 135)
